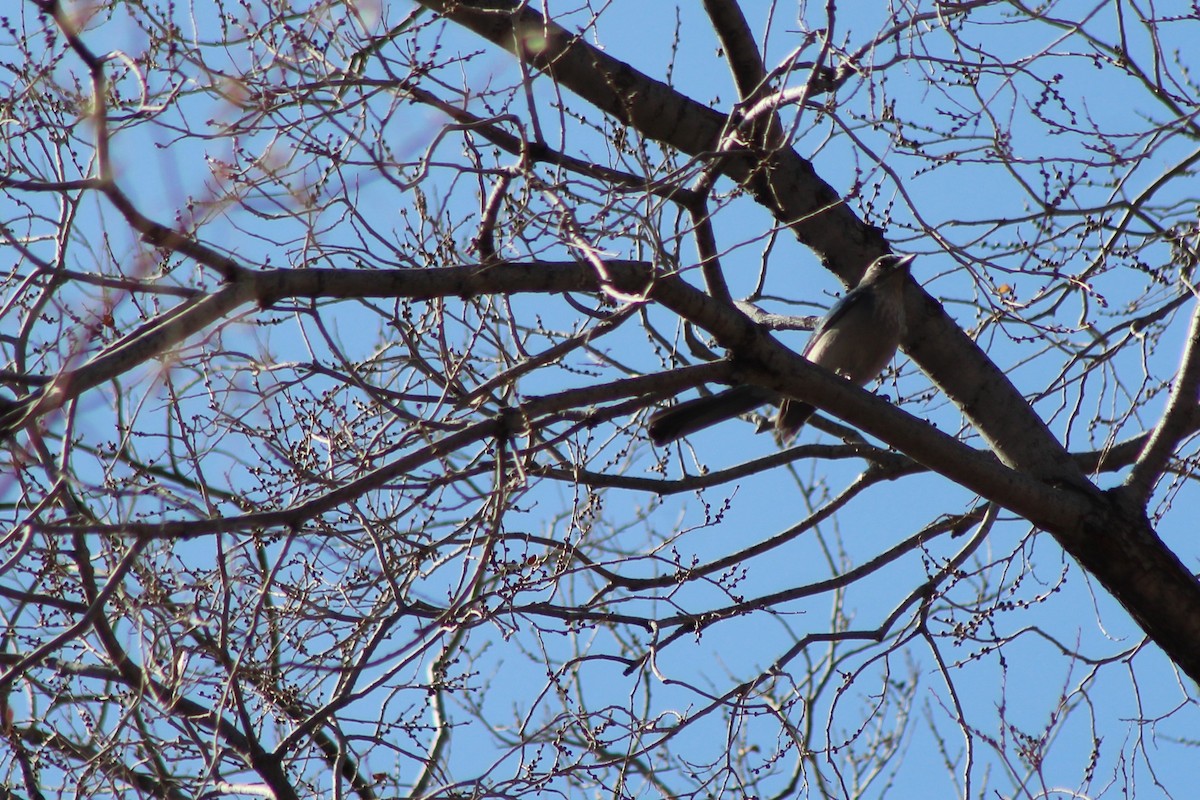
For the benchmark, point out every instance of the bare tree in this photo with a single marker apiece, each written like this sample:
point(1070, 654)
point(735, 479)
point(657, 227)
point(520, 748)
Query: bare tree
point(330, 332)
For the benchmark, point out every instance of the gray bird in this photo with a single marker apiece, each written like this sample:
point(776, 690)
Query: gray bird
point(856, 339)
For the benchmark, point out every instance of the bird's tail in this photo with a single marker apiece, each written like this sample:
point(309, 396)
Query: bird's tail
point(693, 415)
point(792, 416)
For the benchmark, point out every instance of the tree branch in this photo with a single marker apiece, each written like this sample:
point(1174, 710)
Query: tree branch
point(1176, 422)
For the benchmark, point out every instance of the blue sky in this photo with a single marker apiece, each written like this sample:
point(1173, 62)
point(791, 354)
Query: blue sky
point(960, 219)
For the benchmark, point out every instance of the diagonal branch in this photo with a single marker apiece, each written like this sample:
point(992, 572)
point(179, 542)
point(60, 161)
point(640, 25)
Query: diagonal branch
point(741, 51)
point(1176, 423)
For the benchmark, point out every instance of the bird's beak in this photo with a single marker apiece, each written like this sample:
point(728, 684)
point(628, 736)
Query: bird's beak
point(904, 262)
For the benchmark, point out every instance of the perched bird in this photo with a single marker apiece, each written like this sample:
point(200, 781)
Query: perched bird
point(856, 339)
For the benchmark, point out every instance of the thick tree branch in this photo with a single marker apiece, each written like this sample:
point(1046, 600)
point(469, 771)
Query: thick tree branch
point(1116, 544)
point(741, 51)
point(790, 188)
point(766, 361)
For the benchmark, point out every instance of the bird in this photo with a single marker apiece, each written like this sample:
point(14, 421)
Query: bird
point(856, 339)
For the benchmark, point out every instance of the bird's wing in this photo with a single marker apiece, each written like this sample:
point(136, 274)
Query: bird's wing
point(836, 314)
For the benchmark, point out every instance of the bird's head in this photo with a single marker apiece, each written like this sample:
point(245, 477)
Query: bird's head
point(887, 265)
